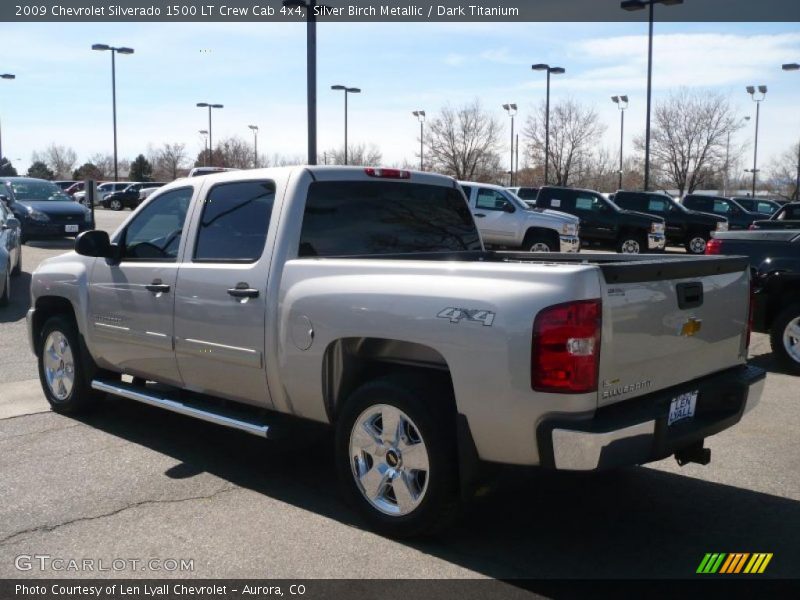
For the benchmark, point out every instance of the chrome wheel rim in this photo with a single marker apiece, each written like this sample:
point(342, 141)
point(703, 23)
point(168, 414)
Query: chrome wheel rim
point(791, 339)
point(389, 460)
point(697, 245)
point(59, 365)
point(116, 205)
point(631, 247)
point(540, 247)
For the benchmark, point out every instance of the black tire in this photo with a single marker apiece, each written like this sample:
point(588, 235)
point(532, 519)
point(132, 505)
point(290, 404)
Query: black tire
point(632, 243)
point(18, 267)
point(540, 241)
point(115, 204)
point(432, 415)
point(81, 397)
point(6, 295)
point(692, 243)
point(780, 336)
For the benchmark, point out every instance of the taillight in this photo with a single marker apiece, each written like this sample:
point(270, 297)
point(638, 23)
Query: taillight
point(565, 349)
point(714, 246)
point(387, 173)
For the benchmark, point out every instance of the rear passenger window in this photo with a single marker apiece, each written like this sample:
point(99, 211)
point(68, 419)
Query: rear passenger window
point(234, 223)
point(721, 207)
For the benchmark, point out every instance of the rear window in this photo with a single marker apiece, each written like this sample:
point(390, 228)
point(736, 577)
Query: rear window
point(354, 217)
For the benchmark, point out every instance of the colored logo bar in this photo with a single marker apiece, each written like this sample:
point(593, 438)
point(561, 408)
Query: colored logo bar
point(735, 562)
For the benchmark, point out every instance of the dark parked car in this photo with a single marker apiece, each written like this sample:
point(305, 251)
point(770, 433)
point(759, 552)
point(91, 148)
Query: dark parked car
point(688, 228)
point(526, 194)
point(775, 260)
point(603, 223)
point(10, 251)
point(787, 217)
point(738, 216)
point(43, 209)
point(759, 205)
point(75, 187)
point(129, 197)
point(65, 185)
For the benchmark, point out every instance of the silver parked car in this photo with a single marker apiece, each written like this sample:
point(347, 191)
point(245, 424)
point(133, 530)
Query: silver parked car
point(10, 251)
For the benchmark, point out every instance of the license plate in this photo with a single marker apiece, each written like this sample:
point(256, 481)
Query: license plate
point(682, 407)
point(70, 228)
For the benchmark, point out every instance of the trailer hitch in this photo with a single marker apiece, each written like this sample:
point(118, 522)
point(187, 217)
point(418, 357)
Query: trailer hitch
point(694, 454)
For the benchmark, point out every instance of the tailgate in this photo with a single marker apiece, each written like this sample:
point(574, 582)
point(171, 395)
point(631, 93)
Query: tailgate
point(669, 322)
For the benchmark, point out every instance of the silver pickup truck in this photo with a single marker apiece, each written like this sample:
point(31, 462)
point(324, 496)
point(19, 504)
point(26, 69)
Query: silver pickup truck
point(363, 299)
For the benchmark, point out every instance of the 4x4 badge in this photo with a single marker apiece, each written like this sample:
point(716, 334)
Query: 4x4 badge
point(457, 314)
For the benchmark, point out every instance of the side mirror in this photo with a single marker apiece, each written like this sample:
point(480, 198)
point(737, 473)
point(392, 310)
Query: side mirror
point(509, 208)
point(96, 243)
point(12, 223)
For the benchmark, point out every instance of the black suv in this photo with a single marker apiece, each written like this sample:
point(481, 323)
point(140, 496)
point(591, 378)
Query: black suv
point(688, 228)
point(129, 197)
point(738, 216)
point(603, 223)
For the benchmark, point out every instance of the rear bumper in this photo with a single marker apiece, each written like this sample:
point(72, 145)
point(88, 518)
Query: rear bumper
point(570, 243)
point(656, 241)
point(636, 431)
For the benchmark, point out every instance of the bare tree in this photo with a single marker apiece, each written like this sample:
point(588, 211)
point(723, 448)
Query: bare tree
point(233, 152)
point(463, 142)
point(688, 144)
point(357, 154)
point(169, 160)
point(60, 159)
point(575, 132)
point(783, 173)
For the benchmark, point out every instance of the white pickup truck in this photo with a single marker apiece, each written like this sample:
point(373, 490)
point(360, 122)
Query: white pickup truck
point(363, 299)
point(507, 222)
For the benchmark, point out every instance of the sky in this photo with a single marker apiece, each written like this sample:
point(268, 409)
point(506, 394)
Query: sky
point(62, 93)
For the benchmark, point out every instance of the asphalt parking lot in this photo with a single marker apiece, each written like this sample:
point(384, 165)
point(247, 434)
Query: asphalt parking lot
point(134, 482)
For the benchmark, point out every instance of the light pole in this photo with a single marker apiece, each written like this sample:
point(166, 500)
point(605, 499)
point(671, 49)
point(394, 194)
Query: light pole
point(4, 76)
point(114, 51)
point(311, 71)
point(622, 104)
point(346, 90)
point(210, 139)
point(633, 5)
point(557, 71)
point(727, 160)
point(255, 145)
point(204, 133)
point(786, 67)
point(420, 114)
point(511, 109)
point(762, 90)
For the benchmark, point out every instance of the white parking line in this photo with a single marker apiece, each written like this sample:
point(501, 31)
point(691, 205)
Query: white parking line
point(22, 398)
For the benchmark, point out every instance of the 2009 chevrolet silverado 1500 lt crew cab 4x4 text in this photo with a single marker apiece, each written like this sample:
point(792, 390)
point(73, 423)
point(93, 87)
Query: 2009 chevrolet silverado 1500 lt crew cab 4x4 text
point(363, 299)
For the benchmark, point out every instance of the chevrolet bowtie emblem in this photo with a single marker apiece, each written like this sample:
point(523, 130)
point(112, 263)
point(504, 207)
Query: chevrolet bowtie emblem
point(691, 327)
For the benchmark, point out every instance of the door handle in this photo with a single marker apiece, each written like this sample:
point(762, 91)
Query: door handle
point(478, 215)
point(243, 290)
point(157, 287)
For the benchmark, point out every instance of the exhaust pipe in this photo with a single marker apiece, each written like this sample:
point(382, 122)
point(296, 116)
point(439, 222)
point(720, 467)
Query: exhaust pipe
point(694, 454)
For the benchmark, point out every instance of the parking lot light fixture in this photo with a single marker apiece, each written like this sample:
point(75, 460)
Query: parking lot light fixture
point(622, 104)
point(209, 106)
point(114, 51)
point(634, 5)
point(791, 67)
point(758, 98)
point(4, 76)
point(556, 71)
point(420, 114)
point(511, 109)
point(346, 90)
point(254, 129)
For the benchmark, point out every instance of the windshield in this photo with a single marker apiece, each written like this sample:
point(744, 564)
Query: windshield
point(38, 190)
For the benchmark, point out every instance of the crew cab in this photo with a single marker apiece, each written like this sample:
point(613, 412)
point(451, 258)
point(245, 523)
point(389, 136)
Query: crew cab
point(688, 228)
point(775, 259)
point(738, 217)
point(362, 299)
point(603, 223)
point(762, 206)
point(505, 221)
point(786, 217)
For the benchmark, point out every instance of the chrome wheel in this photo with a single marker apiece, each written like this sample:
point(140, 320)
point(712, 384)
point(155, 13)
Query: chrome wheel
point(539, 247)
point(59, 365)
point(791, 339)
point(697, 245)
point(630, 247)
point(389, 460)
point(115, 205)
